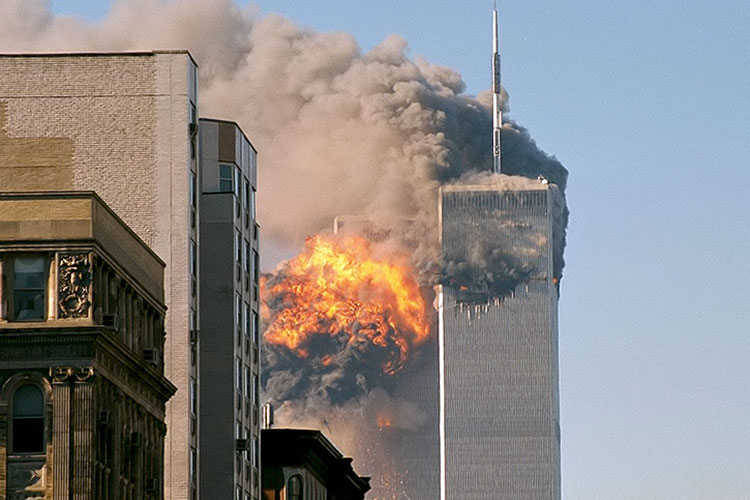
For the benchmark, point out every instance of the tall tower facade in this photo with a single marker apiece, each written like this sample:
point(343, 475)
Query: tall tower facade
point(499, 401)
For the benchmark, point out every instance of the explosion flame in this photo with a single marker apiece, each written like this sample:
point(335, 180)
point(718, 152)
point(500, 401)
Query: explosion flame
point(340, 288)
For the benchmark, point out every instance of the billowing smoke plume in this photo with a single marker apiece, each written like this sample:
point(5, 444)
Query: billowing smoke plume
point(339, 132)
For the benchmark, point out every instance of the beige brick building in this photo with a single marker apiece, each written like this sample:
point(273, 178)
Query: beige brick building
point(123, 125)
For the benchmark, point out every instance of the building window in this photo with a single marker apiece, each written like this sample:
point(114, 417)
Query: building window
point(246, 256)
point(295, 488)
point(238, 371)
point(193, 258)
point(193, 466)
point(193, 129)
point(28, 420)
point(248, 389)
point(252, 203)
point(238, 315)
point(246, 200)
point(256, 396)
point(193, 396)
point(256, 327)
point(225, 178)
point(193, 190)
point(238, 247)
point(29, 280)
point(237, 184)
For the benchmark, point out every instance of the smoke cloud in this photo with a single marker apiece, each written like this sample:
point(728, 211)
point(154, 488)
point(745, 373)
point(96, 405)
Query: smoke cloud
point(339, 131)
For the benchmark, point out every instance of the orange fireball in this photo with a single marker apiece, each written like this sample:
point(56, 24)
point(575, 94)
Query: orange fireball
point(338, 285)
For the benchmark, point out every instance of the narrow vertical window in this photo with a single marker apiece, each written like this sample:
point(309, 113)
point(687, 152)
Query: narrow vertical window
point(237, 183)
point(238, 309)
point(193, 396)
point(238, 371)
point(193, 190)
point(28, 420)
point(193, 258)
point(225, 178)
point(256, 327)
point(238, 246)
point(295, 488)
point(28, 288)
point(252, 203)
point(247, 382)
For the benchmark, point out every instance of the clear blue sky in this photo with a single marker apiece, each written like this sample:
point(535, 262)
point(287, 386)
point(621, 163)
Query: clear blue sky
point(646, 103)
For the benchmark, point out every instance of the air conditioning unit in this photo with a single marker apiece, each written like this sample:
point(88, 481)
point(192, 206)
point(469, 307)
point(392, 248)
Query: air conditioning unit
point(151, 484)
point(111, 321)
point(151, 356)
point(242, 445)
point(104, 417)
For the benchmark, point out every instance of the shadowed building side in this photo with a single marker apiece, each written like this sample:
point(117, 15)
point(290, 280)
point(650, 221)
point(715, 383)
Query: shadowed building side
point(229, 326)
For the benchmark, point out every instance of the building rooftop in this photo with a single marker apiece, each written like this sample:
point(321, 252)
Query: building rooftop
point(36, 219)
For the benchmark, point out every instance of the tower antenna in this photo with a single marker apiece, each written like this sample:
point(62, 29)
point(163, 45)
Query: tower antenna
point(497, 112)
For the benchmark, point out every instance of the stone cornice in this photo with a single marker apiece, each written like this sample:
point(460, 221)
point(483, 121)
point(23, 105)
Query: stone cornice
point(85, 346)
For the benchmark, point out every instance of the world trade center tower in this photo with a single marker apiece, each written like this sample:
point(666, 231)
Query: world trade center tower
point(499, 401)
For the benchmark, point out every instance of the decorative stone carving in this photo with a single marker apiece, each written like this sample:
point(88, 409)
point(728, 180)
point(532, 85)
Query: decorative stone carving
point(84, 373)
point(74, 283)
point(60, 373)
point(27, 480)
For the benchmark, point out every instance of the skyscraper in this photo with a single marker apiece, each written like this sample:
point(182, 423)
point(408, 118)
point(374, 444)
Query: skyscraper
point(499, 402)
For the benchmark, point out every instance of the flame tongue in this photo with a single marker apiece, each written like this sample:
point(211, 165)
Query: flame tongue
point(337, 288)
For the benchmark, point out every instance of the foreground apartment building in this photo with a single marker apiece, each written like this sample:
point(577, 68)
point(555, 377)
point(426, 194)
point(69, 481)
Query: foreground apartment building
point(229, 348)
point(125, 126)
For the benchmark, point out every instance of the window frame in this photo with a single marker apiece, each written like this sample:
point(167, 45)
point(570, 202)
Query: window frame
point(223, 179)
point(10, 290)
point(11, 441)
point(291, 493)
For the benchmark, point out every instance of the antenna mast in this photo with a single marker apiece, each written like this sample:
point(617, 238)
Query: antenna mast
point(497, 112)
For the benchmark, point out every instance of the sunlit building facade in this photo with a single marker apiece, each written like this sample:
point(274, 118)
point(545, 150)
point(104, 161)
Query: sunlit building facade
point(125, 126)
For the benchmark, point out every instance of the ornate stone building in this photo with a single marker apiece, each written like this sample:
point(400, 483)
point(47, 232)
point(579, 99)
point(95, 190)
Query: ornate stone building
point(82, 386)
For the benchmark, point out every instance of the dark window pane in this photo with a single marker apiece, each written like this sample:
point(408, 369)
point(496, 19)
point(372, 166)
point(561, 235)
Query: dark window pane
point(28, 304)
point(295, 488)
point(28, 402)
point(28, 435)
point(28, 288)
point(225, 178)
